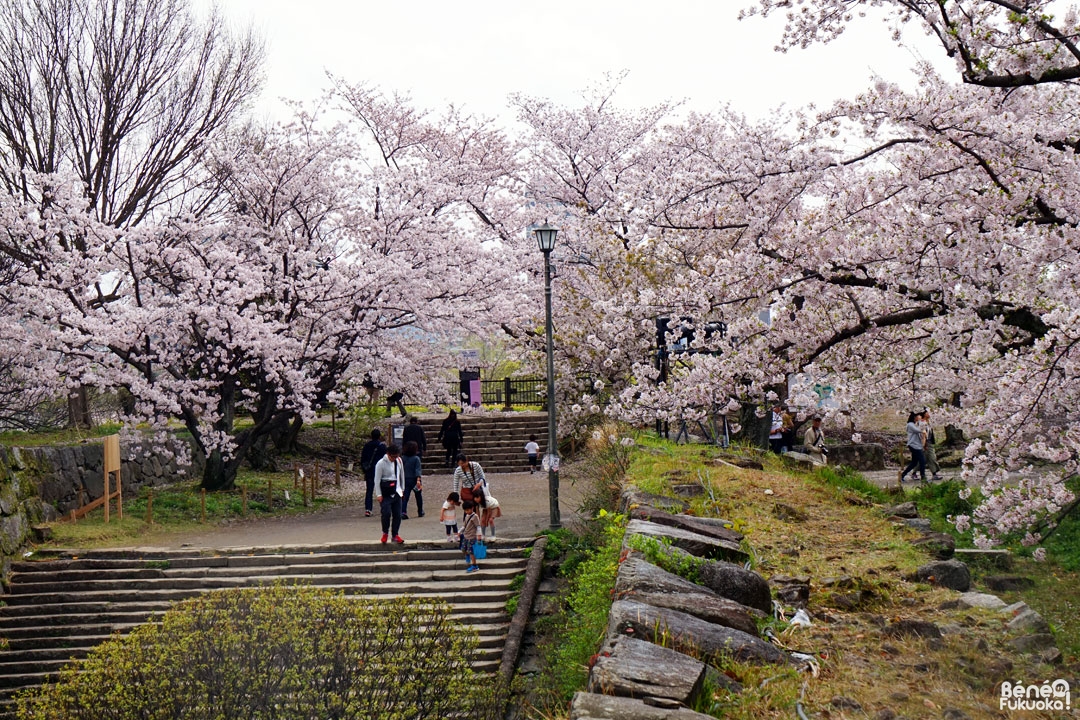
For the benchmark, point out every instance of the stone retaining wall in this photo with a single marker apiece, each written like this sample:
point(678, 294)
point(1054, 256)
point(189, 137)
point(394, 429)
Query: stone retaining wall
point(862, 456)
point(62, 473)
point(38, 484)
point(666, 634)
point(20, 508)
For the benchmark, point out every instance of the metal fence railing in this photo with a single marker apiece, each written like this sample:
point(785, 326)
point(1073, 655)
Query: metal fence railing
point(507, 393)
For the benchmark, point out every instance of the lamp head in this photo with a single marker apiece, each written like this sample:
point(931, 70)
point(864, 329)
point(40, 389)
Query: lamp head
point(545, 237)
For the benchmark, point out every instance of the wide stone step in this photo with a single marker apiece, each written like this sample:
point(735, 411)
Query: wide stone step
point(79, 636)
point(19, 675)
point(448, 593)
point(13, 619)
point(291, 565)
point(40, 629)
point(61, 609)
point(109, 611)
point(12, 680)
point(41, 626)
point(17, 616)
point(290, 555)
point(492, 570)
point(504, 419)
point(487, 661)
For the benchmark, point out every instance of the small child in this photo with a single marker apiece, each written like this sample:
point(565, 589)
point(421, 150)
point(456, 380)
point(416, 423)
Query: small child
point(489, 510)
point(470, 534)
point(534, 452)
point(448, 516)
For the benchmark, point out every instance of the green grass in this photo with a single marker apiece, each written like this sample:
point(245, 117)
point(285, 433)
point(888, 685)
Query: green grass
point(179, 508)
point(940, 501)
point(659, 553)
point(845, 479)
point(18, 438)
point(588, 606)
point(1063, 545)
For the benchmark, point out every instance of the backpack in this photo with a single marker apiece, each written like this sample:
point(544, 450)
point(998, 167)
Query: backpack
point(371, 454)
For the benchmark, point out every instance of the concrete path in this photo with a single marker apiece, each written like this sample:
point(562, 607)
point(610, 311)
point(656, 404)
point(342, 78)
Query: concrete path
point(523, 498)
point(887, 478)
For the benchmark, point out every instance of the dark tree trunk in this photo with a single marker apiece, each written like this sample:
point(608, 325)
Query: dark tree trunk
point(260, 457)
point(954, 436)
point(79, 408)
point(754, 428)
point(219, 474)
point(288, 440)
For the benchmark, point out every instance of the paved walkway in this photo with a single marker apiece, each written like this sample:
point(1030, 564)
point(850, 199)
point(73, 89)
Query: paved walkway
point(523, 498)
point(887, 478)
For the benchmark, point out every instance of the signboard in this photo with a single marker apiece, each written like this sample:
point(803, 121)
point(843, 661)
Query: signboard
point(111, 452)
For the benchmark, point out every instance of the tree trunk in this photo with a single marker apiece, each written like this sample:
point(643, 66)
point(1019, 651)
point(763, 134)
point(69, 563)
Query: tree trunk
point(288, 441)
point(260, 457)
point(79, 408)
point(954, 436)
point(754, 428)
point(219, 473)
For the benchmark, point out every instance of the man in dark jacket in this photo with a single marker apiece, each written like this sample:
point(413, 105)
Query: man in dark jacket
point(415, 432)
point(370, 455)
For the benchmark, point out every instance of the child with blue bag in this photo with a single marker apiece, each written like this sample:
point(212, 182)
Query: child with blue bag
point(470, 535)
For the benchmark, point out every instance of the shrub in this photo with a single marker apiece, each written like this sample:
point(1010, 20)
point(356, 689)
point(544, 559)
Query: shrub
point(287, 652)
point(941, 501)
point(660, 554)
point(842, 478)
point(588, 605)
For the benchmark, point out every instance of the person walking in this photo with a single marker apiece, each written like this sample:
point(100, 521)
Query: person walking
point(788, 433)
point(916, 443)
point(370, 456)
point(395, 399)
point(414, 486)
point(390, 479)
point(451, 436)
point(930, 450)
point(469, 478)
point(470, 535)
point(776, 429)
point(532, 450)
point(414, 432)
point(814, 440)
point(448, 516)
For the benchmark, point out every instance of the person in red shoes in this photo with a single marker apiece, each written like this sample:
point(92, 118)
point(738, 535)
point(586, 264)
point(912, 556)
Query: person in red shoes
point(390, 481)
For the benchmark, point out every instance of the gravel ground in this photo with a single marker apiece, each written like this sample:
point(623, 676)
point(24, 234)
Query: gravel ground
point(523, 498)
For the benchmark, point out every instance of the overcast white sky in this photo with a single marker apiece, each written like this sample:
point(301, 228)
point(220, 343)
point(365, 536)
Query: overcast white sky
point(476, 52)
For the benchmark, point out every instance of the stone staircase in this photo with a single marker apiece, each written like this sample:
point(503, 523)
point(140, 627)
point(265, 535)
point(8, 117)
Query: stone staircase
point(58, 610)
point(497, 442)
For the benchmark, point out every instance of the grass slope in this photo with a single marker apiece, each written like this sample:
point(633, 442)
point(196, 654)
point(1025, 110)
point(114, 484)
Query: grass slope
point(856, 560)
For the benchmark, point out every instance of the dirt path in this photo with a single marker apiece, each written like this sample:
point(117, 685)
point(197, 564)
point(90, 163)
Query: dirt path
point(523, 498)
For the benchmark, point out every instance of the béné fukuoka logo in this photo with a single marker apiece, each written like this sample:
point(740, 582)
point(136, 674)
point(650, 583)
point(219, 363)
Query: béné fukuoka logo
point(1047, 696)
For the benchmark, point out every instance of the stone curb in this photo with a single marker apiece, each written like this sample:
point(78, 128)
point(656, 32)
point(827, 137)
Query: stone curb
point(516, 633)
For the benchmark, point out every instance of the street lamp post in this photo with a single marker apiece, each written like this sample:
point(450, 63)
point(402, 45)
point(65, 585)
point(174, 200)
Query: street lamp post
point(545, 238)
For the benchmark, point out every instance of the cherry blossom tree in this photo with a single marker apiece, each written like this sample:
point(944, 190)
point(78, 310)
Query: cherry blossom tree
point(325, 256)
point(980, 181)
point(121, 95)
point(913, 247)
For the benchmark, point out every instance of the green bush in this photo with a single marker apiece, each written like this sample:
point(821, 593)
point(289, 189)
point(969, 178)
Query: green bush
point(660, 554)
point(940, 501)
point(588, 605)
point(287, 652)
point(842, 478)
point(1064, 544)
